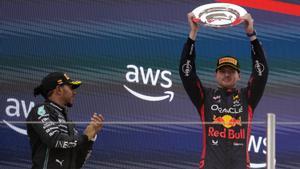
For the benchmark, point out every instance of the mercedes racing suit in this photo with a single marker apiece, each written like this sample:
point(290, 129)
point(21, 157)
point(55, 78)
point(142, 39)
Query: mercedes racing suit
point(225, 137)
point(55, 144)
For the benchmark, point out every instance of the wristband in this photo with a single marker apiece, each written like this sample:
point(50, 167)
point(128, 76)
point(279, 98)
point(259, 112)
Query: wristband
point(95, 138)
point(252, 34)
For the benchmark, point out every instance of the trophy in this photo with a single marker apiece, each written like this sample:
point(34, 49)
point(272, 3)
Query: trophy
point(219, 15)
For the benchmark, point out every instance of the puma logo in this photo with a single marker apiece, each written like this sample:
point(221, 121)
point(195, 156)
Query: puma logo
point(60, 162)
point(215, 142)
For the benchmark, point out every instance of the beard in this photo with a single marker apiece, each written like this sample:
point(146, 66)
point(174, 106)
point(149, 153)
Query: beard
point(69, 101)
point(69, 104)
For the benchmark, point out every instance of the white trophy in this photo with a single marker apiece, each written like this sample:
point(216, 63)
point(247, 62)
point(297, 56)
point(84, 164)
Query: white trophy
point(219, 15)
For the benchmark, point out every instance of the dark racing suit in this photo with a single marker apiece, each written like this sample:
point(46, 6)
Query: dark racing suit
point(225, 136)
point(55, 144)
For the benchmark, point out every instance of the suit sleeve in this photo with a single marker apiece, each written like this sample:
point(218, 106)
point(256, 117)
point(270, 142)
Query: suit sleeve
point(187, 71)
point(47, 127)
point(83, 153)
point(259, 75)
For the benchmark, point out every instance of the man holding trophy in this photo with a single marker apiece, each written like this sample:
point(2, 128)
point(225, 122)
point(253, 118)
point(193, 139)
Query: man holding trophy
point(226, 112)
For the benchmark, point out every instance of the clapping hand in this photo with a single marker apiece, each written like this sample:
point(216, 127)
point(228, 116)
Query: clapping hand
point(94, 126)
point(97, 122)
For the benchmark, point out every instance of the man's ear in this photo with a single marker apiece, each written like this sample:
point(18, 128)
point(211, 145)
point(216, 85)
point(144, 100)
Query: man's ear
point(58, 90)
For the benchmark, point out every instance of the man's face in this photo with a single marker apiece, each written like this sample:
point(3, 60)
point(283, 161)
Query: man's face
point(68, 95)
point(227, 77)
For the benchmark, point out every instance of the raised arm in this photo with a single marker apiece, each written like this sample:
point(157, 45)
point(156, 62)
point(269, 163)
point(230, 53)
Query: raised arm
point(187, 68)
point(259, 75)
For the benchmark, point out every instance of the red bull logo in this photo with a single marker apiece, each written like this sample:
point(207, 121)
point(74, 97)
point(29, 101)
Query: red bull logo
point(236, 97)
point(226, 133)
point(227, 121)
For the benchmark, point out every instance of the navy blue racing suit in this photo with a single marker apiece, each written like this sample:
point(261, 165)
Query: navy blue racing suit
point(225, 135)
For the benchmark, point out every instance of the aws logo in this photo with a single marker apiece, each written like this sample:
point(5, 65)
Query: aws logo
point(257, 146)
point(140, 75)
point(17, 110)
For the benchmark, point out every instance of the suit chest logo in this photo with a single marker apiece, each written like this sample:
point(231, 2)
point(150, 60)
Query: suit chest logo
point(230, 110)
